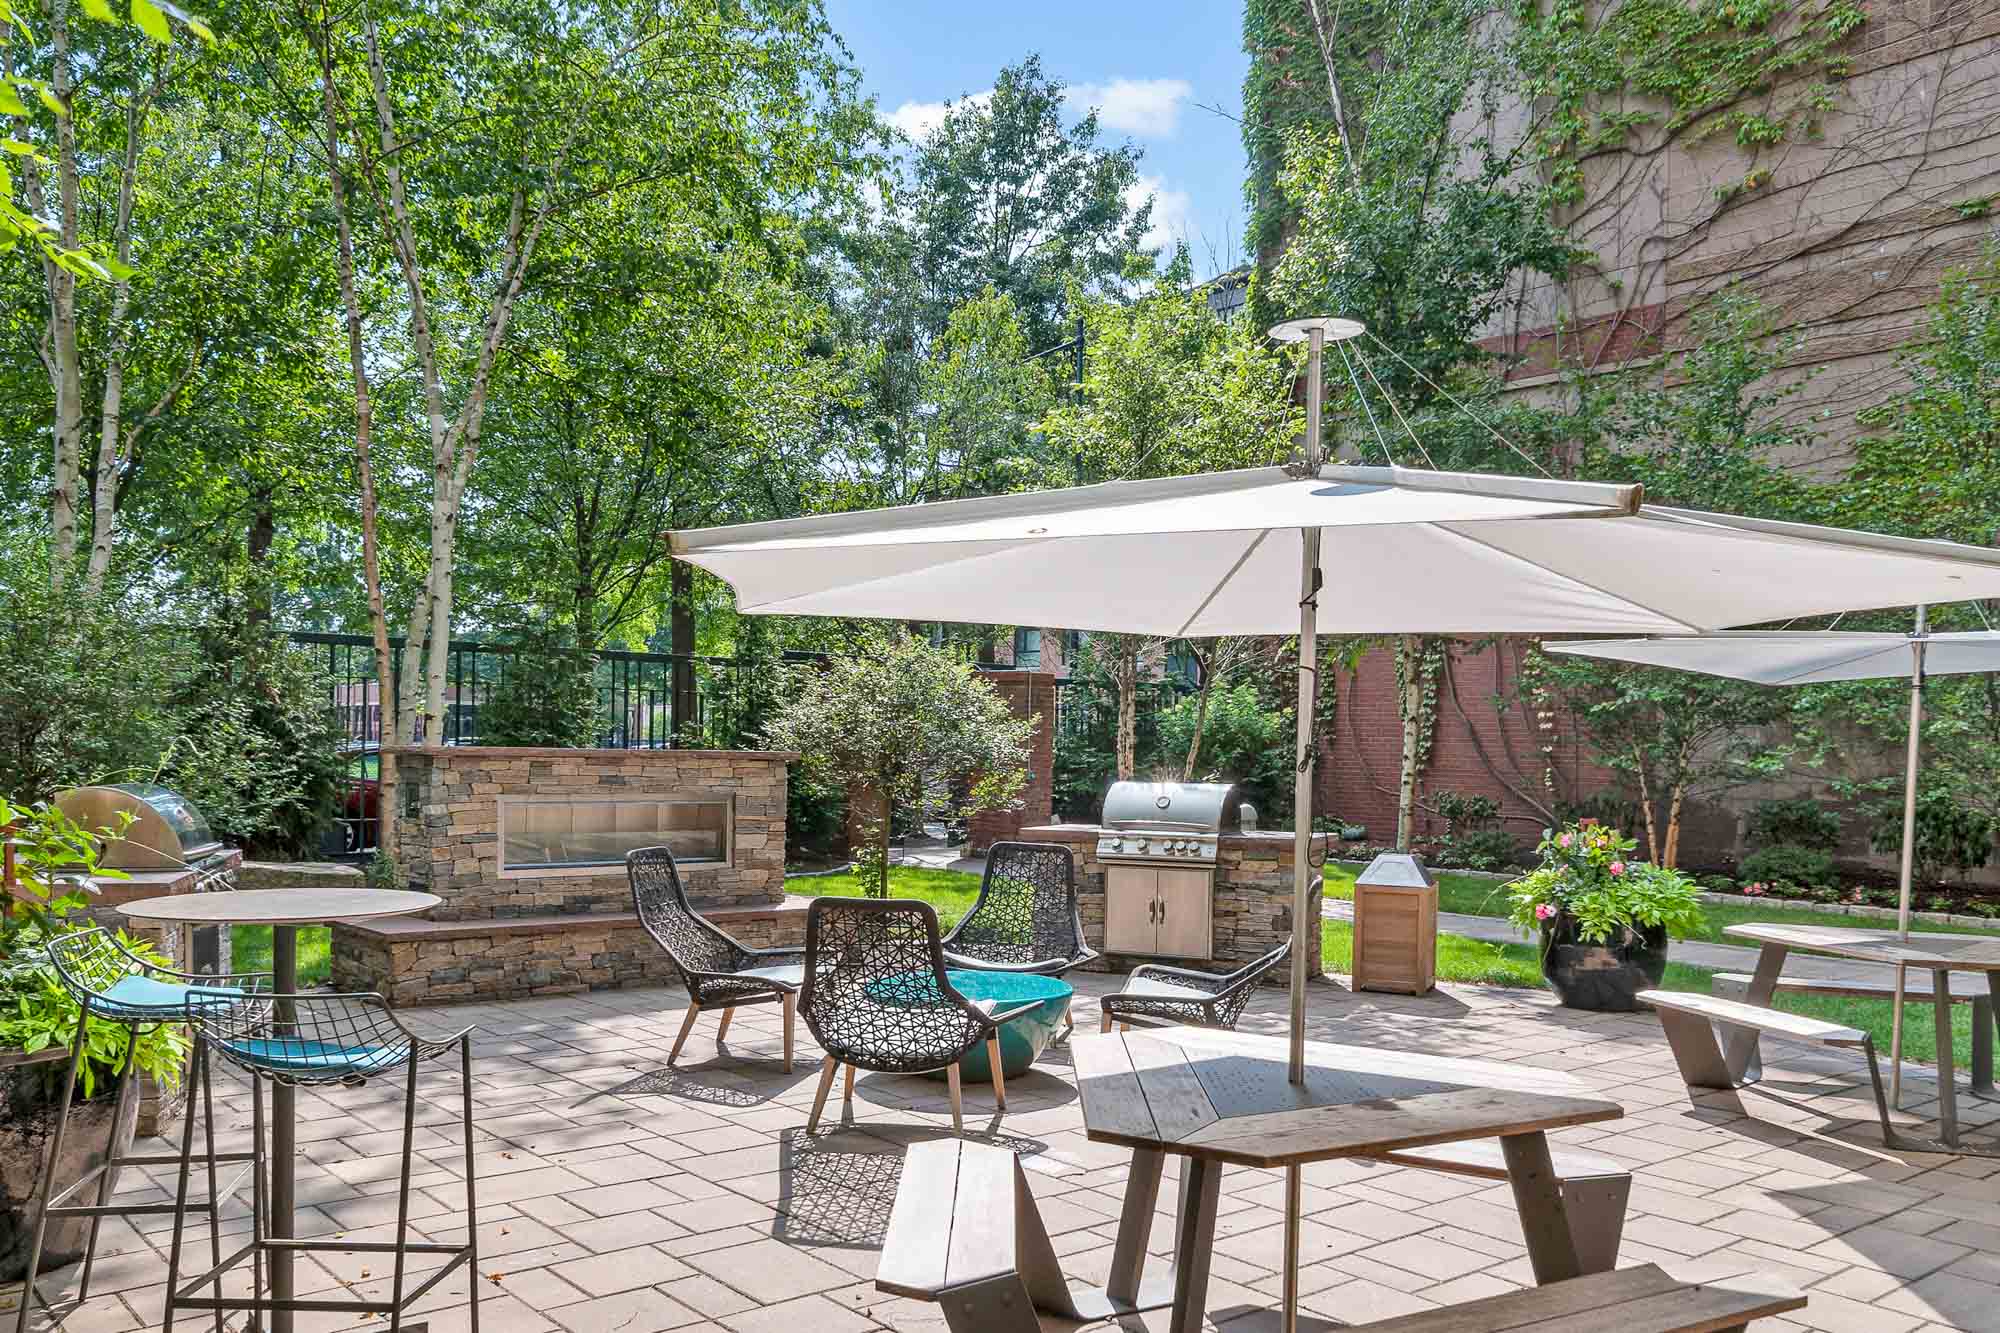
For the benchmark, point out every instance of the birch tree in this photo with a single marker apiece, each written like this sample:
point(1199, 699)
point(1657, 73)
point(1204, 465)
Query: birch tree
point(55, 137)
point(463, 146)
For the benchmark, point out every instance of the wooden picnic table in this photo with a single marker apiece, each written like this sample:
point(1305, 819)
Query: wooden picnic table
point(1224, 1099)
point(1939, 954)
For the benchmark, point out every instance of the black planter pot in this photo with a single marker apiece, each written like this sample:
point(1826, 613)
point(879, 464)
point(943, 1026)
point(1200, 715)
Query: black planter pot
point(1602, 977)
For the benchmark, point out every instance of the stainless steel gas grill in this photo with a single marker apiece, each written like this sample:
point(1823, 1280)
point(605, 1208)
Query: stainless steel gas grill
point(1159, 845)
point(166, 847)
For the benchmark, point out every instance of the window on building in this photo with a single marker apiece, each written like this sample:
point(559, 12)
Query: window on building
point(1027, 649)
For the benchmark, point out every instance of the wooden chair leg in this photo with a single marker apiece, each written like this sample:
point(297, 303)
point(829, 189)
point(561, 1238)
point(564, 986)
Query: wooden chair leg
point(1105, 1026)
point(1069, 1021)
point(847, 1092)
point(826, 1071)
point(687, 1026)
point(790, 1005)
point(957, 1105)
point(999, 1075)
point(722, 1028)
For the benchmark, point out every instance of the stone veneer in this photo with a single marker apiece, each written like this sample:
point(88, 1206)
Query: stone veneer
point(448, 830)
point(1252, 903)
point(546, 933)
point(442, 962)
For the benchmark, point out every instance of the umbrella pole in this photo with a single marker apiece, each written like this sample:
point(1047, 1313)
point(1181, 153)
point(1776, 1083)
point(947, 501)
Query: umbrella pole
point(1302, 808)
point(1910, 760)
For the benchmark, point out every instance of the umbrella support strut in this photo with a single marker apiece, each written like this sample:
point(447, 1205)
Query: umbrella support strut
point(1908, 865)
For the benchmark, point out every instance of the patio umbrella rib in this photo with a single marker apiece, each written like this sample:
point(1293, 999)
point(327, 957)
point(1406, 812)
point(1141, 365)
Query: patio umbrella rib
point(1223, 582)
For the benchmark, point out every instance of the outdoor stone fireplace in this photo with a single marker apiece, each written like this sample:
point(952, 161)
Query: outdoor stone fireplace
point(526, 847)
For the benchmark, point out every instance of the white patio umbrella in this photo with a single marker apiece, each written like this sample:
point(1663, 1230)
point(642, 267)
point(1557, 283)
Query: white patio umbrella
point(1414, 552)
point(1815, 657)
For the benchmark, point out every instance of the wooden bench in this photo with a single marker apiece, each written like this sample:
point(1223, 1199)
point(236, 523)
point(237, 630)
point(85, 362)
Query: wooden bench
point(965, 1233)
point(1967, 988)
point(1689, 1020)
point(1595, 1190)
point(1632, 1300)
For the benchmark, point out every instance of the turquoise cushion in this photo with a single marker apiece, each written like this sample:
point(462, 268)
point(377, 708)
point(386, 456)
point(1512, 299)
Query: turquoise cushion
point(149, 997)
point(301, 1055)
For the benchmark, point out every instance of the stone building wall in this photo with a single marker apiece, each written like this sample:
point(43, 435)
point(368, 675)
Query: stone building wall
point(1252, 904)
point(449, 824)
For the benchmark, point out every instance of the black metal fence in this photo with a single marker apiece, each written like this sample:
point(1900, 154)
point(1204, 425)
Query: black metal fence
point(719, 701)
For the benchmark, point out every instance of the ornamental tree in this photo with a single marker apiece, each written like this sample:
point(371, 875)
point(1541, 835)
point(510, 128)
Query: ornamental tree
point(912, 725)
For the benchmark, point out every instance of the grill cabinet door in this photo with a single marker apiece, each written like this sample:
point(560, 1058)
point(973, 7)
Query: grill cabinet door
point(1131, 909)
point(1187, 914)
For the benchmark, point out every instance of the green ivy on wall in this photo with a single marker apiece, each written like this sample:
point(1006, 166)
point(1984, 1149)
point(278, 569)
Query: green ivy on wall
point(1704, 58)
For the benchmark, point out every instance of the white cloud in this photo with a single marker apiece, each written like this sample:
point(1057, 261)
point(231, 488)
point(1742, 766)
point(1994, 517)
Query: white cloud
point(1173, 211)
point(1150, 107)
point(918, 119)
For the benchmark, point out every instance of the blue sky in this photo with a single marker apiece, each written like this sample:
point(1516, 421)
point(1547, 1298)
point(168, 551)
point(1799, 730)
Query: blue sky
point(1146, 65)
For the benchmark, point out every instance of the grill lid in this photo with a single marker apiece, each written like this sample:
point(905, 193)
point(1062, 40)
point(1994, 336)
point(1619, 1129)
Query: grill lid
point(1193, 807)
point(167, 832)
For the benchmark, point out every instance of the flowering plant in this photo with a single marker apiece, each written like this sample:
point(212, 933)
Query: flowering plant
point(1588, 874)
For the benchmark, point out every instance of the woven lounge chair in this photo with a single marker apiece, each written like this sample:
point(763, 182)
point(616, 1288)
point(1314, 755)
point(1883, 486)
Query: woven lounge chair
point(719, 972)
point(1026, 918)
point(1159, 996)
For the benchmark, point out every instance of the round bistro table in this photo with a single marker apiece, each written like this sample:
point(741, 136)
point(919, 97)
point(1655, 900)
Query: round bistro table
point(284, 911)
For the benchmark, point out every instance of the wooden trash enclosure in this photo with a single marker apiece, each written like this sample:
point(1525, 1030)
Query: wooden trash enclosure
point(1395, 925)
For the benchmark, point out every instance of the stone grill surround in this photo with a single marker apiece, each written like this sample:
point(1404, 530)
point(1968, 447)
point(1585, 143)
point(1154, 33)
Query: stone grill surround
point(450, 845)
point(1253, 898)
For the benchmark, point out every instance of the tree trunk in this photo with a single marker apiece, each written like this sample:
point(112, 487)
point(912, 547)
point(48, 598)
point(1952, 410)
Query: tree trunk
point(1673, 849)
point(684, 697)
point(1200, 723)
point(257, 554)
point(1646, 807)
point(885, 820)
point(1127, 676)
point(1412, 706)
point(65, 371)
point(371, 559)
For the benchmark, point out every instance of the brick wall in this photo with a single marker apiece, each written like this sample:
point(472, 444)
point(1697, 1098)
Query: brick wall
point(1028, 694)
point(1475, 749)
point(448, 828)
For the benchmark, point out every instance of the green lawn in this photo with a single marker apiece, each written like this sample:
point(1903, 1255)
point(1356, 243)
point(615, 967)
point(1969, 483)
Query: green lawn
point(251, 947)
point(1461, 959)
point(1478, 896)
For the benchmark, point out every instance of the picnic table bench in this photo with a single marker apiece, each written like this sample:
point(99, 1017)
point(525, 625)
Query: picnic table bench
point(964, 1233)
point(1965, 989)
point(1645, 1299)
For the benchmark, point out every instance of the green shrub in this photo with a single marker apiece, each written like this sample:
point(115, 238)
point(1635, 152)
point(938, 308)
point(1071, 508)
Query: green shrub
point(258, 744)
point(1473, 839)
point(1950, 836)
point(546, 696)
point(1791, 864)
point(1799, 821)
point(86, 692)
point(1242, 742)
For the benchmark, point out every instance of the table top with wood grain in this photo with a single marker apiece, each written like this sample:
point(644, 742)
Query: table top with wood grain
point(1226, 1096)
point(1931, 949)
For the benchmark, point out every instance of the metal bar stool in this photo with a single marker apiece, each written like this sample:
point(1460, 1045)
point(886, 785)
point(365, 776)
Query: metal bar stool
point(316, 1041)
point(113, 985)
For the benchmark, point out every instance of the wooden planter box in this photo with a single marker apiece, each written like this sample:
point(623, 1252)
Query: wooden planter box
point(1395, 926)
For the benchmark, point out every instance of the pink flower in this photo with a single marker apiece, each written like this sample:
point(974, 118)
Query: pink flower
point(1753, 890)
point(1543, 911)
point(1617, 867)
point(1565, 840)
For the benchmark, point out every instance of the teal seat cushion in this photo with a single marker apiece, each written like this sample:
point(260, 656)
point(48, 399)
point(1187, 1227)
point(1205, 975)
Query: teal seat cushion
point(151, 998)
point(318, 1059)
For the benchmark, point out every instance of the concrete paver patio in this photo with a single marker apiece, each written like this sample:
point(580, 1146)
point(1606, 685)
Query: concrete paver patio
point(616, 1194)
